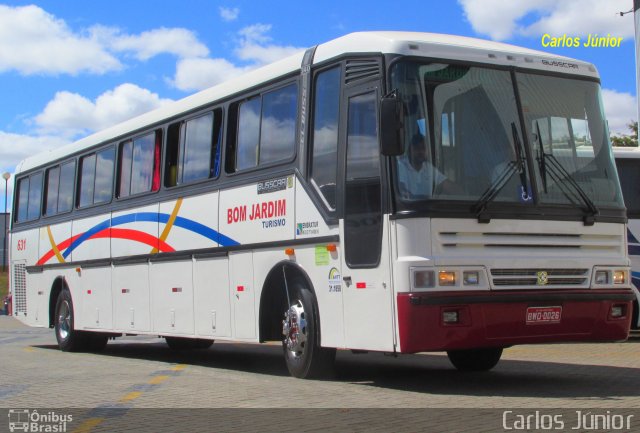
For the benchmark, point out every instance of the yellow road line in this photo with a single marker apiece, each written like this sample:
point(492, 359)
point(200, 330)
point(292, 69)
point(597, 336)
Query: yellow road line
point(29, 349)
point(158, 379)
point(88, 425)
point(178, 367)
point(131, 396)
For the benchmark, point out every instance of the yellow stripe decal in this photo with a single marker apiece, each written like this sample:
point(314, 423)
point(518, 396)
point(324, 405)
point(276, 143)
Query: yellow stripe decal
point(167, 227)
point(54, 247)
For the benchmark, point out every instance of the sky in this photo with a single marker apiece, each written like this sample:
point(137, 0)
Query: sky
point(70, 68)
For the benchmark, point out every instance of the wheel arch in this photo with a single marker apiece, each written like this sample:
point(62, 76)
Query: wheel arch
point(59, 283)
point(273, 299)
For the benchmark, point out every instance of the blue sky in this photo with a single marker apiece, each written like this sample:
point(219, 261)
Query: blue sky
point(69, 68)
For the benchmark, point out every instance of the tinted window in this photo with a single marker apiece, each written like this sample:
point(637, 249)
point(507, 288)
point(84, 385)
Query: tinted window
point(629, 172)
point(248, 134)
point(193, 149)
point(139, 165)
point(96, 178)
point(22, 199)
point(278, 130)
point(266, 128)
point(53, 184)
point(65, 191)
point(324, 165)
point(198, 138)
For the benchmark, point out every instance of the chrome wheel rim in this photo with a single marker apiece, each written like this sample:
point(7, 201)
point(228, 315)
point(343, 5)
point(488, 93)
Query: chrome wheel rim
point(64, 320)
point(294, 329)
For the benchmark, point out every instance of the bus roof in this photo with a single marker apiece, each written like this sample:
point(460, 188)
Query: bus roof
point(438, 46)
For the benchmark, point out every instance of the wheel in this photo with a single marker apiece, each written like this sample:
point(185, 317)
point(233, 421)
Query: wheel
point(475, 359)
point(69, 340)
point(301, 343)
point(180, 343)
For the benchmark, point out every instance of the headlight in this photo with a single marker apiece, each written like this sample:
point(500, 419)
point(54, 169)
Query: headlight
point(447, 278)
point(602, 277)
point(619, 277)
point(423, 279)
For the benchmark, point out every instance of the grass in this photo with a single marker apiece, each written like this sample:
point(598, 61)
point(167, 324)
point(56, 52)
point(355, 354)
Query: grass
point(4, 285)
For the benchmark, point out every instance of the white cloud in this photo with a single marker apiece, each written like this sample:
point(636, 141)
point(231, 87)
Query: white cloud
point(254, 49)
point(70, 114)
point(16, 147)
point(33, 41)
point(502, 19)
point(179, 42)
point(198, 74)
point(229, 14)
point(620, 110)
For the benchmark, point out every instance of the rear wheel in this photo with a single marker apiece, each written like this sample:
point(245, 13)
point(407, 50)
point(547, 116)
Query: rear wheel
point(301, 343)
point(179, 343)
point(69, 340)
point(475, 359)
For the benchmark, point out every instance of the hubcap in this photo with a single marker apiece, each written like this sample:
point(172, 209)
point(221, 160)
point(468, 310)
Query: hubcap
point(294, 329)
point(64, 320)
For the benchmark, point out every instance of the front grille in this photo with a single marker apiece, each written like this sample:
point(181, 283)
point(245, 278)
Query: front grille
point(20, 288)
point(519, 277)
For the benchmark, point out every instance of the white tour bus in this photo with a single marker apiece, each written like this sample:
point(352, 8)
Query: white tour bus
point(628, 164)
point(392, 192)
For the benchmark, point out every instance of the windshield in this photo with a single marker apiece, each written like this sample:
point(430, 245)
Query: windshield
point(464, 142)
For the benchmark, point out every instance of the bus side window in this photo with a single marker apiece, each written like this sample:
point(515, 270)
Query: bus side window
point(96, 177)
point(193, 149)
point(326, 113)
point(138, 165)
point(29, 199)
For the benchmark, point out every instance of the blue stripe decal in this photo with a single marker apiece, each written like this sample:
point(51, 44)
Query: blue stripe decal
point(634, 250)
point(631, 237)
point(184, 223)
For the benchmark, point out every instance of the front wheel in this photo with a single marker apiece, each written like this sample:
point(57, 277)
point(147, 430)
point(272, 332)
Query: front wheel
point(69, 340)
point(301, 343)
point(475, 359)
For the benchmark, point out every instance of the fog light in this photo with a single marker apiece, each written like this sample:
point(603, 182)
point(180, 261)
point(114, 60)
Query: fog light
point(423, 279)
point(619, 277)
point(602, 277)
point(450, 316)
point(447, 278)
point(618, 311)
point(471, 278)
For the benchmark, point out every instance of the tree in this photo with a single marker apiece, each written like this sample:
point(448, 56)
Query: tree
point(627, 140)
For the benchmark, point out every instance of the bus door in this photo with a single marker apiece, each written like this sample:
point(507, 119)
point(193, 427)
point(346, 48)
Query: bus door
point(367, 294)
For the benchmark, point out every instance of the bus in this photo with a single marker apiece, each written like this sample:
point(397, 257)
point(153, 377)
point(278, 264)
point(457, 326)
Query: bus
point(290, 205)
point(628, 164)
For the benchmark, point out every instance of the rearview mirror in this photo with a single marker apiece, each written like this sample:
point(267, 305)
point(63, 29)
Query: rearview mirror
point(391, 125)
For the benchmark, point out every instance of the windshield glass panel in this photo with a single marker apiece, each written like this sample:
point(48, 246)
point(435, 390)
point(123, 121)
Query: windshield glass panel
point(462, 134)
point(464, 142)
point(568, 138)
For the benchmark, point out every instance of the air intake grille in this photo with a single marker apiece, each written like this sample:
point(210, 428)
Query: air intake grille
point(20, 288)
point(359, 70)
point(540, 277)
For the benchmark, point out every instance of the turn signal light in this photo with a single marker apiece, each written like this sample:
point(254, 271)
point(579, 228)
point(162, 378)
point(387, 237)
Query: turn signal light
point(447, 278)
point(619, 277)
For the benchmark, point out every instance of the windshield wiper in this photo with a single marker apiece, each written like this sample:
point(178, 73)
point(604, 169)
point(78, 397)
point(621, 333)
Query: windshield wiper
point(503, 178)
point(564, 180)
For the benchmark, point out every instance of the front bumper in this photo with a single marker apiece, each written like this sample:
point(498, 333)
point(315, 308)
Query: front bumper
point(498, 318)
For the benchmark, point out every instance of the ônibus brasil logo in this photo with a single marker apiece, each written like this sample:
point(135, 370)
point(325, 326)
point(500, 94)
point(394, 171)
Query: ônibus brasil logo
point(26, 420)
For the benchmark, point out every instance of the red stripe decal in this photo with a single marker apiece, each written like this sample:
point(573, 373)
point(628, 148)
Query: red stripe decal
point(361, 285)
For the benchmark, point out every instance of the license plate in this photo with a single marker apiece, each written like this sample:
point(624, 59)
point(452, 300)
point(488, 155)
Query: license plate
point(543, 315)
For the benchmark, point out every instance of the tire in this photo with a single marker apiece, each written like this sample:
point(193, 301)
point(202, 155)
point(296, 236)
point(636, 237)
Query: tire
point(69, 340)
point(178, 344)
point(304, 357)
point(475, 359)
